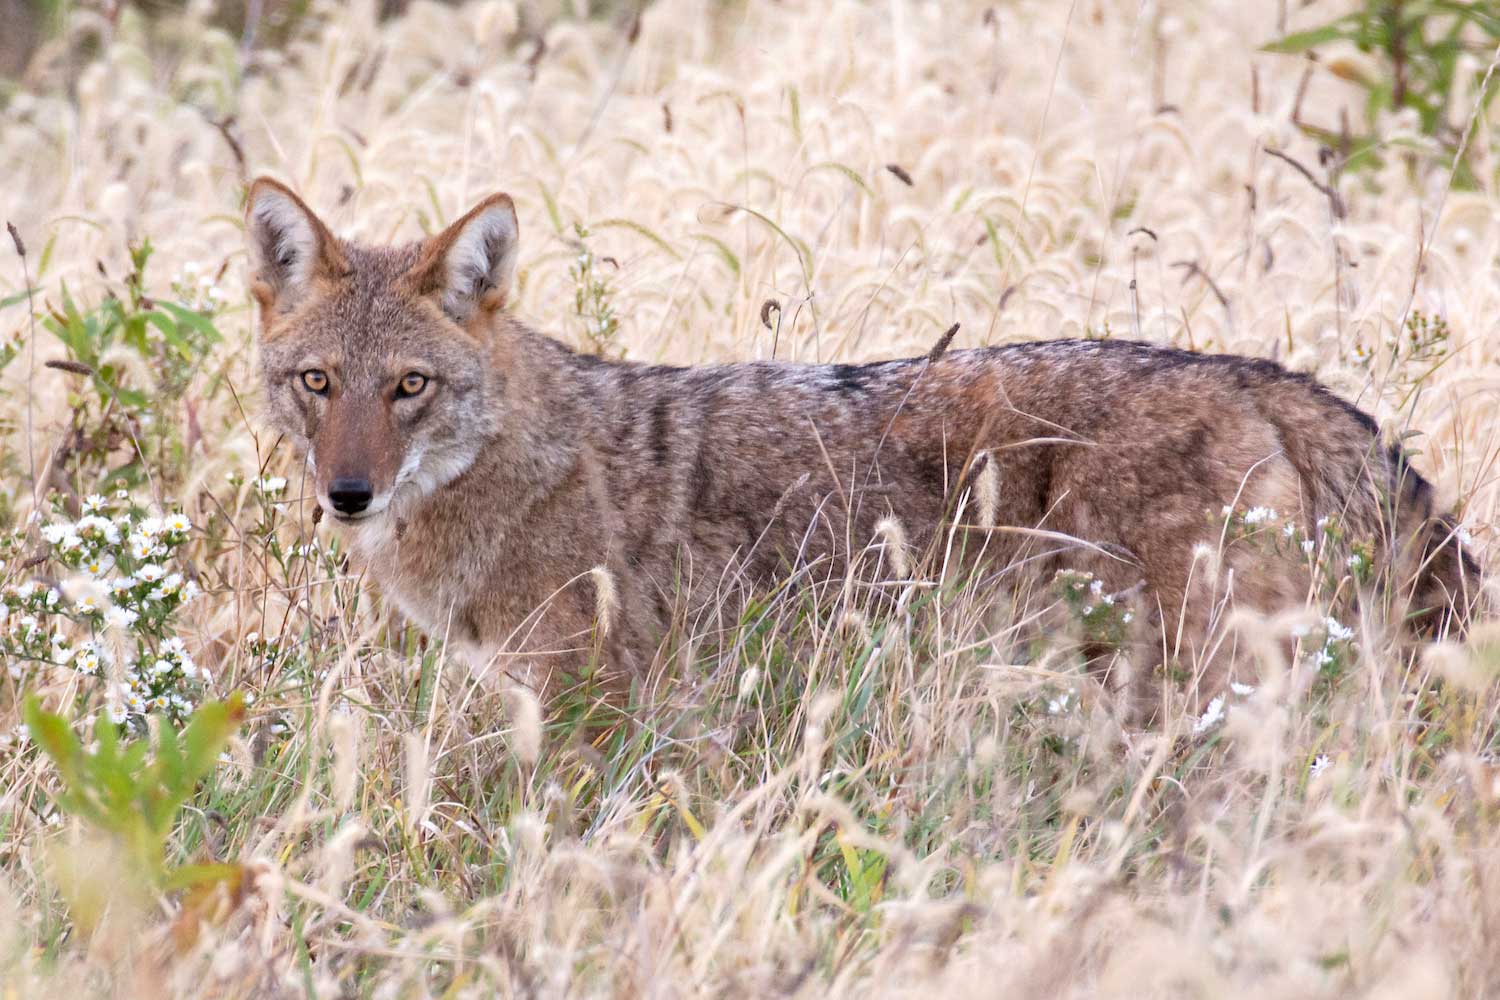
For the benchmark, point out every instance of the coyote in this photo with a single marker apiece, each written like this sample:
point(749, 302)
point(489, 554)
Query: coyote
point(543, 509)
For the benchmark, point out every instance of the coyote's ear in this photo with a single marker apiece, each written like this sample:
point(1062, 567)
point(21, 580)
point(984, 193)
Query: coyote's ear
point(289, 245)
point(470, 263)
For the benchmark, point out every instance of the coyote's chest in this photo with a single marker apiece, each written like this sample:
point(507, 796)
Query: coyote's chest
point(428, 603)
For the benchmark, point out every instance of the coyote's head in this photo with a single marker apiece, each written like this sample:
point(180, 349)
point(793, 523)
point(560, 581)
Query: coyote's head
point(379, 362)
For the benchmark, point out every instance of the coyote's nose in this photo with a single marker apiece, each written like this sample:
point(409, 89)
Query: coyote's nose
point(350, 496)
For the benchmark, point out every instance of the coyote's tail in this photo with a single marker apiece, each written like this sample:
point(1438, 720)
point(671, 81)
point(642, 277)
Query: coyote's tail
point(1431, 565)
point(1445, 588)
point(1375, 493)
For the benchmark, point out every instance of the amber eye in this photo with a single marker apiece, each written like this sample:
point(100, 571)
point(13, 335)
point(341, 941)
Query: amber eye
point(412, 383)
point(315, 380)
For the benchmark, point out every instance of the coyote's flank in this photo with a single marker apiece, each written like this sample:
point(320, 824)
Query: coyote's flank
point(502, 490)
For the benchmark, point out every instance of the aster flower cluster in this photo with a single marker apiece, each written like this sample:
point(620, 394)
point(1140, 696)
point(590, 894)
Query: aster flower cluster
point(1266, 526)
point(119, 602)
point(1104, 615)
point(1337, 647)
point(1423, 340)
point(197, 290)
point(1266, 523)
point(164, 685)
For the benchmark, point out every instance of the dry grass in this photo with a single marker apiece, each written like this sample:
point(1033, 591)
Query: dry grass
point(837, 799)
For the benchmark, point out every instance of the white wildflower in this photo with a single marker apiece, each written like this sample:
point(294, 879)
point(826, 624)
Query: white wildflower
point(1318, 766)
point(1337, 632)
point(102, 526)
point(120, 618)
point(88, 661)
point(99, 564)
point(1260, 515)
point(1211, 717)
point(150, 573)
point(1062, 703)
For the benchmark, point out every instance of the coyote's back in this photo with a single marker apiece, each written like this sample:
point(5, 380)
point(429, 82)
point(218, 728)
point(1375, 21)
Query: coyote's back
point(538, 508)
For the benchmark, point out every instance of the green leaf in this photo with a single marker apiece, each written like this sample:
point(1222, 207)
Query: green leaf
point(107, 735)
point(206, 734)
point(52, 734)
point(196, 320)
point(169, 332)
point(426, 684)
point(135, 399)
point(1302, 41)
point(168, 753)
point(194, 876)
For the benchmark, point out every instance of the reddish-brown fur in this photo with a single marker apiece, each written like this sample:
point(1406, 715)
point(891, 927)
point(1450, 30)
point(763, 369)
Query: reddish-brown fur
point(526, 466)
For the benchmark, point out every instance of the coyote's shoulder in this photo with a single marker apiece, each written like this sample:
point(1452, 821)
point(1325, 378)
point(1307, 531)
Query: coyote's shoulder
point(509, 493)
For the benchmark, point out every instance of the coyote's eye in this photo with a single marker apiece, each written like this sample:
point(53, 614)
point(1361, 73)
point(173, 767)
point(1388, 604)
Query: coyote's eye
point(316, 381)
point(412, 384)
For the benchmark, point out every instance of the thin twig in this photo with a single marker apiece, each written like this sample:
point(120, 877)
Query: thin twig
point(1335, 202)
point(1194, 270)
point(15, 237)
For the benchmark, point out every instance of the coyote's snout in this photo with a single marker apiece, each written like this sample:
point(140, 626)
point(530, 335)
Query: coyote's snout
point(538, 508)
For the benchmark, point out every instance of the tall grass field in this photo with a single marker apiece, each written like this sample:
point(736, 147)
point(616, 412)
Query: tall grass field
point(227, 769)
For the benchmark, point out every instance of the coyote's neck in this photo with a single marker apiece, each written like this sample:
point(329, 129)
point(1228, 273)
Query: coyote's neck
point(513, 516)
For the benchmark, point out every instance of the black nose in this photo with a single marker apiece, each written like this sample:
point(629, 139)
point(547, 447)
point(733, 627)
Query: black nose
point(349, 495)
